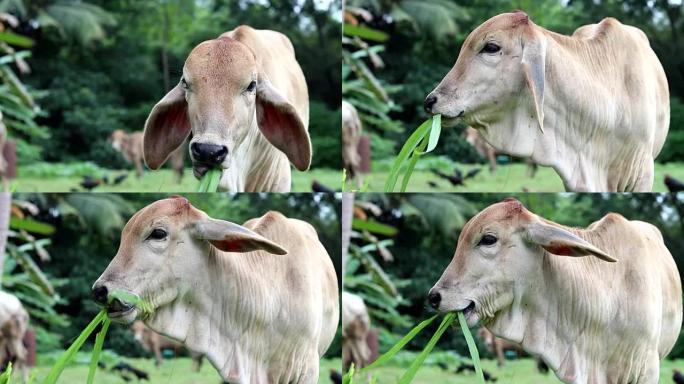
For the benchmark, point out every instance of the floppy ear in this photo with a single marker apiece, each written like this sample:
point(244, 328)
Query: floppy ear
point(560, 242)
point(534, 64)
point(281, 125)
point(230, 237)
point(166, 128)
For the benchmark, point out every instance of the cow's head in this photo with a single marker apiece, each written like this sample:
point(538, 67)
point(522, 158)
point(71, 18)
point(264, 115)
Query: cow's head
point(117, 138)
point(165, 247)
point(220, 98)
point(499, 251)
point(500, 70)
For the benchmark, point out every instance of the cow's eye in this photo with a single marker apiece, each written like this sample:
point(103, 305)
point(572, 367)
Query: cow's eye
point(157, 234)
point(184, 83)
point(251, 86)
point(487, 240)
point(491, 48)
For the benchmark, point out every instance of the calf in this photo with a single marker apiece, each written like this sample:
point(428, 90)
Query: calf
point(598, 305)
point(355, 330)
point(260, 301)
point(351, 136)
point(130, 145)
point(153, 342)
point(244, 98)
point(594, 106)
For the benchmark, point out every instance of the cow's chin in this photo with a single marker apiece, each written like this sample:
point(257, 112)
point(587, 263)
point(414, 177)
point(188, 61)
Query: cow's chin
point(126, 316)
point(200, 169)
point(470, 314)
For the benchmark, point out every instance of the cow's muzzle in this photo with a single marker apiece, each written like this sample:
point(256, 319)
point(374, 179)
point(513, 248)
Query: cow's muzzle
point(115, 307)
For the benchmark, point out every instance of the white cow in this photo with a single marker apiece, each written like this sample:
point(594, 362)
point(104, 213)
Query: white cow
point(260, 301)
point(244, 98)
point(594, 106)
point(355, 328)
point(598, 305)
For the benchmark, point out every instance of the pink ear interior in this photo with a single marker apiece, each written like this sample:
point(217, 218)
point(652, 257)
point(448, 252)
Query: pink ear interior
point(561, 250)
point(166, 128)
point(280, 124)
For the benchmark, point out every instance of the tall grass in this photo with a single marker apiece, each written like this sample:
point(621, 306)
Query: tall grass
point(412, 370)
point(423, 140)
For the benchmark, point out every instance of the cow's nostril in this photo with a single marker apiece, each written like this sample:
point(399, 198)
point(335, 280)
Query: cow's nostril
point(100, 294)
point(208, 153)
point(434, 298)
point(430, 102)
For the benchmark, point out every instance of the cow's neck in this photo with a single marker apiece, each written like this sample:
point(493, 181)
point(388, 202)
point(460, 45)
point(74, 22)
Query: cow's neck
point(213, 317)
point(560, 327)
point(258, 166)
point(582, 122)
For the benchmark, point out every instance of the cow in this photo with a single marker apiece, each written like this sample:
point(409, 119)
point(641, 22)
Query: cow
point(355, 330)
point(259, 300)
point(598, 305)
point(594, 106)
point(130, 145)
point(13, 327)
point(244, 98)
point(351, 136)
point(484, 149)
point(153, 342)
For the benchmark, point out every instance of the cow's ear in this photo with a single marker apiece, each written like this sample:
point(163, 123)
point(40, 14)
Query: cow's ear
point(166, 127)
point(281, 124)
point(230, 237)
point(559, 241)
point(534, 68)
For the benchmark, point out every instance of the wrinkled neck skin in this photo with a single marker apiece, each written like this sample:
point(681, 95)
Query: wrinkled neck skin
point(581, 346)
point(584, 140)
point(256, 166)
point(238, 336)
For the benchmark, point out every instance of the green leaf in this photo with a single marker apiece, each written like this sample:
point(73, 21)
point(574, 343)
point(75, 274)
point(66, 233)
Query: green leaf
point(365, 33)
point(373, 227)
point(472, 348)
point(403, 155)
point(31, 226)
point(418, 362)
point(99, 341)
point(435, 132)
point(18, 40)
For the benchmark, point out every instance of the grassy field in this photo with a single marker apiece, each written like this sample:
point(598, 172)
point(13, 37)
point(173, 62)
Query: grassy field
point(508, 178)
point(515, 372)
point(175, 371)
point(157, 181)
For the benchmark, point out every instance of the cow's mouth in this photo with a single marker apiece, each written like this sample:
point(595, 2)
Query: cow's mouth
point(470, 314)
point(199, 169)
point(118, 308)
point(449, 121)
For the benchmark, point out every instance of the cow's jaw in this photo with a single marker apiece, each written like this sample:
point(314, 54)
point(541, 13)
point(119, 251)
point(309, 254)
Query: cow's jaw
point(256, 166)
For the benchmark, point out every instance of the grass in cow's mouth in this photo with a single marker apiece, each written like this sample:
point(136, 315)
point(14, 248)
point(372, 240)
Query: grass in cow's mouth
point(6, 377)
point(210, 181)
point(423, 140)
point(411, 372)
point(132, 300)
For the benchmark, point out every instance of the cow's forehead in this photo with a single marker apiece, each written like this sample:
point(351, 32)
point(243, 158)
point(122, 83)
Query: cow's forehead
point(509, 211)
point(502, 22)
point(176, 208)
point(224, 55)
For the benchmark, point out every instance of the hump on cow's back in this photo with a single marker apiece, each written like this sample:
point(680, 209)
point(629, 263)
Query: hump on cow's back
point(273, 225)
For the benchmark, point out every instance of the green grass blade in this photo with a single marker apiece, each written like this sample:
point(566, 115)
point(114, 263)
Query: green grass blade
point(406, 150)
point(6, 377)
point(418, 362)
point(204, 183)
point(99, 341)
point(66, 357)
point(472, 348)
point(349, 377)
point(214, 179)
point(398, 346)
point(412, 164)
point(434, 132)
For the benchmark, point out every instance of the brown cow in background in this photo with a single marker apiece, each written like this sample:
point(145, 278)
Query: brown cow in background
point(351, 137)
point(130, 145)
point(13, 326)
point(156, 343)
